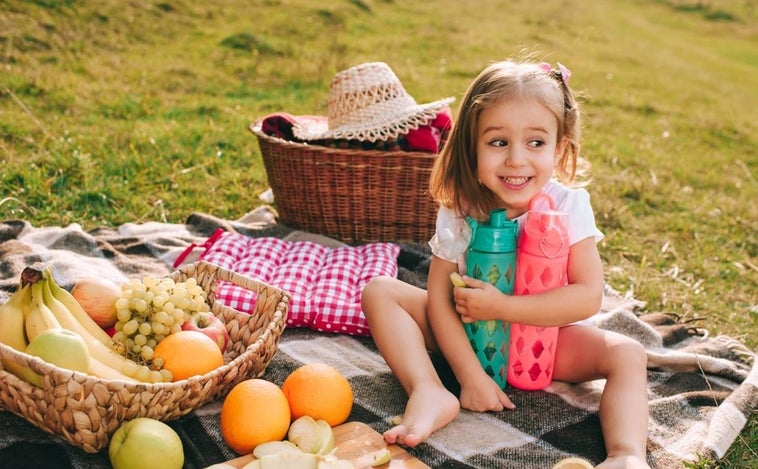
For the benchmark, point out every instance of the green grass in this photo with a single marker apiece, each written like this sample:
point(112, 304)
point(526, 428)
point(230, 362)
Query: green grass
point(114, 112)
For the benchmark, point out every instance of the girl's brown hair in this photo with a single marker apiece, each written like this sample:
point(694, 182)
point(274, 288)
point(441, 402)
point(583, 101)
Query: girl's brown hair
point(454, 182)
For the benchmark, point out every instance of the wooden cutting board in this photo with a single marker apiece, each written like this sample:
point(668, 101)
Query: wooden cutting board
point(357, 442)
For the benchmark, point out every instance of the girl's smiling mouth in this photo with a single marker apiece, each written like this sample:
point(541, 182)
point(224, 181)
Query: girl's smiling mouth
point(515, 181)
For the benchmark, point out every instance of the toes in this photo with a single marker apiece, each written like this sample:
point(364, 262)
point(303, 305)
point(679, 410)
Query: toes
point(395, 434)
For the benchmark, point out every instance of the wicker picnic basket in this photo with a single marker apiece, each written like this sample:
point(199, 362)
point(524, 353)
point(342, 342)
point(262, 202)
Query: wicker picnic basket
point(357, 196)
point(86, 410)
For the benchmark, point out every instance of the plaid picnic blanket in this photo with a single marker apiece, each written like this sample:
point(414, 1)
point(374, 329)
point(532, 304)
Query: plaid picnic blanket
point(702, 389)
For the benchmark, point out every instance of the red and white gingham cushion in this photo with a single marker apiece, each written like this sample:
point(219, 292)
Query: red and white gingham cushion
point(325, 283)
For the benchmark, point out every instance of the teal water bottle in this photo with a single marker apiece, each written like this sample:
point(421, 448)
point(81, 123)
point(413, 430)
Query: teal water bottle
point(491, 257)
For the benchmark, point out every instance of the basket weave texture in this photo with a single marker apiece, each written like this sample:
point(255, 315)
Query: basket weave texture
point(357, 196)
point(86, 410)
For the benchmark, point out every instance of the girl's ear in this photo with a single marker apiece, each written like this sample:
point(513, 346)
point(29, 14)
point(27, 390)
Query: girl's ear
point(560, 149)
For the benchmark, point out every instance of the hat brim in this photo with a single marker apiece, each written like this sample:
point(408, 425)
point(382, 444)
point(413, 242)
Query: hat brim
point(379, 127)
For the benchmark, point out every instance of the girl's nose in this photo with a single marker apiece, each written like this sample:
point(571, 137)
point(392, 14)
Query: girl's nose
point(515, 156)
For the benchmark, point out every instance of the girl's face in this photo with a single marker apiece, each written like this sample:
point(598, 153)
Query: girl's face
point(516, 149)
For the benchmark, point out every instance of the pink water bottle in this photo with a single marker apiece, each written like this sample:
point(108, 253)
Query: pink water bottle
point(541, 265)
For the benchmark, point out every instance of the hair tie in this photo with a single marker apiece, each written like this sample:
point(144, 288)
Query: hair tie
point(563, 72)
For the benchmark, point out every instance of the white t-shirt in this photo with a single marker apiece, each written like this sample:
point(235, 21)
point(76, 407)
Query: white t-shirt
point(453, 233)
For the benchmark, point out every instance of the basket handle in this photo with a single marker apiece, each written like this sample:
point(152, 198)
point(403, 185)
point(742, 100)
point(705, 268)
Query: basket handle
point(210, 272)
point(207, 275)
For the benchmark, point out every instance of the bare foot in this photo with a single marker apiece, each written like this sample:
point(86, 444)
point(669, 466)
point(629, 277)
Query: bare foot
point(623, 462)
point(429, 408)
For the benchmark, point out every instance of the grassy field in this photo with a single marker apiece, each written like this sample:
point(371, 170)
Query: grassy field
point(134, 111)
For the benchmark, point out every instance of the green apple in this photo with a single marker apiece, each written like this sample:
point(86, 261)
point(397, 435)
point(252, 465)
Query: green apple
point(381, 457)
point(311, 436)
point(275, 447)
point(305, 433)
point(145, 443)
point(327, 437)
point(62, 348)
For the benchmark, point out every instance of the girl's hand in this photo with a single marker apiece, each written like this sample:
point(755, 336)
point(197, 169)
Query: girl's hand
point(477, 302)
point(484, 395)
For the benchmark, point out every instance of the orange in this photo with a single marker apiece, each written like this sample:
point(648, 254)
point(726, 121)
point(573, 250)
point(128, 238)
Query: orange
point(255, 411)
point(188, 353)
point(573, 463)
point(319, 391)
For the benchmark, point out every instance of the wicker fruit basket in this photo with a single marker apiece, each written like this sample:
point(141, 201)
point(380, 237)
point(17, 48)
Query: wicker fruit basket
point(357, 196)
point(86, 410)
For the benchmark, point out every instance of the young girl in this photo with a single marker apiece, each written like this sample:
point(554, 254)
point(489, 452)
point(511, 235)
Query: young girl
point(517, 134)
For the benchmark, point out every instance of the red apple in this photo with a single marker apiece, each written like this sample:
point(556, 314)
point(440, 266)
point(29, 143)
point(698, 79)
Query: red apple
point(207, 323)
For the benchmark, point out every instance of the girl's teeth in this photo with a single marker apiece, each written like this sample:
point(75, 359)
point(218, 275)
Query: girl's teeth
point(520, 180)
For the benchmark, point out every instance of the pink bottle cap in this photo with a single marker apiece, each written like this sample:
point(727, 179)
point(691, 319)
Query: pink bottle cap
point(546, 229)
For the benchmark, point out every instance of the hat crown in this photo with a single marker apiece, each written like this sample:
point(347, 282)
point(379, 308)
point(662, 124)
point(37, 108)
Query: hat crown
point(365, 91)
point(368, 102)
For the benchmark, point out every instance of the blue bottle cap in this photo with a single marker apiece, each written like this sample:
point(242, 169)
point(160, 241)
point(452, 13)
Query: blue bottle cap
point(499, 235)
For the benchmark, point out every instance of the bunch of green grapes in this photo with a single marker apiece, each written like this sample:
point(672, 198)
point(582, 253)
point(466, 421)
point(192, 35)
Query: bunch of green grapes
point(149, 310)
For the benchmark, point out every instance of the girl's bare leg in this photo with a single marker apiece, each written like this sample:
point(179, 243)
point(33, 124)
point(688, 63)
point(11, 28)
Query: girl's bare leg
point(396, 314)
point(586, 353)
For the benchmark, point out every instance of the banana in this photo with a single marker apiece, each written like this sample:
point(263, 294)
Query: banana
point(76, 310)
point(12, 331)
point(100, 352)
point(37, 316)
point(37, 319)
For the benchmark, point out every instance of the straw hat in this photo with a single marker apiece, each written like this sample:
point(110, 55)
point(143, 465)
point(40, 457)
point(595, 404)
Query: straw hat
point(368, 103)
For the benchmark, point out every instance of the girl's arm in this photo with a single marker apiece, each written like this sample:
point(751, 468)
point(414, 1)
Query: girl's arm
point(580, 299)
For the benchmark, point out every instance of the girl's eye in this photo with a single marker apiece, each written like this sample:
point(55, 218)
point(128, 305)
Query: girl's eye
point(536, 143)
point(498, 143)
